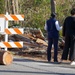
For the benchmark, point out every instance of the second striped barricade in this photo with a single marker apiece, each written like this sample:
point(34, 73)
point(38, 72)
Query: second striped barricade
point(14, 31)
point(12, 17)
point(11, 44)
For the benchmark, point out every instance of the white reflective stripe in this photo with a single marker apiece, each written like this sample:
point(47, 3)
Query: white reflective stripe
point(20, 17)
point(22, 30)
point(2, 45)
point(12, 44)
point(12, 31)
point(9, 17)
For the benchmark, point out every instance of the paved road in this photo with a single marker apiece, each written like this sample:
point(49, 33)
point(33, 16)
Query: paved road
point(22, 66)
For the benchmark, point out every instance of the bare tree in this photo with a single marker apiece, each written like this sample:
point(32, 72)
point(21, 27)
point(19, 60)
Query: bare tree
point(17, 5)
point(7, 6)
point(11, 6)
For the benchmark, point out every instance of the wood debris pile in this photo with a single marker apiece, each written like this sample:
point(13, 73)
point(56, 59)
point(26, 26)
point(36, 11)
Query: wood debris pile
point(34, 42)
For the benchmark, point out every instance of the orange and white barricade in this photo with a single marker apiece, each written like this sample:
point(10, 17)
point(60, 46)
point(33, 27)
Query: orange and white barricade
point(6, 57)
point(11, 17)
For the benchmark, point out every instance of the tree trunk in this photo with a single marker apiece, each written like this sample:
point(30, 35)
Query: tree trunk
point(13, 6)
point(53, 6)
point(7, 6)
point(6, 57)
point(17, 6)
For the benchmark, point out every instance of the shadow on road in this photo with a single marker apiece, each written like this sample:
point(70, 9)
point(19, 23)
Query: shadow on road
point(63, 65)
point(32, 72)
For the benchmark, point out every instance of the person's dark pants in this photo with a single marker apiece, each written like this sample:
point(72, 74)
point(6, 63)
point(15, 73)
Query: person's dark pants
point(50, 42)
point(66, 47)
point(69, 48)
point(72, 50)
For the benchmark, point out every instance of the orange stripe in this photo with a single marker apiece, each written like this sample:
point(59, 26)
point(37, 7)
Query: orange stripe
point(7, 44)
point(18, 44)
point(7, 31)
point(17, 31)
point(6, 18)
point(14, 17)
point(22, 16)
point(2, 15)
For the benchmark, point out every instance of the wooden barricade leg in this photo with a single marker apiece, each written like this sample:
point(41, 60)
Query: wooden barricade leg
point(6, 57)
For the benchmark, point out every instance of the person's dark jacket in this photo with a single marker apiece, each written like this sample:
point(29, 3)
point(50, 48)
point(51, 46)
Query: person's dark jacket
point(69, 26)
point(51, 28)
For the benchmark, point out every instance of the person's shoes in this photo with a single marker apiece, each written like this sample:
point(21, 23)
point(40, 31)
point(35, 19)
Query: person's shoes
point(49, 61)
point(73, 63)
point(56, 62)
point(63, 61)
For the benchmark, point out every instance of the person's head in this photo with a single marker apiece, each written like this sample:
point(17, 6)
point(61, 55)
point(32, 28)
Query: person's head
point(53, 15)
point(73, 11)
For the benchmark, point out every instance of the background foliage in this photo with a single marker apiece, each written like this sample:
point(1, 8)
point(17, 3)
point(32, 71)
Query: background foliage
point(38, 11)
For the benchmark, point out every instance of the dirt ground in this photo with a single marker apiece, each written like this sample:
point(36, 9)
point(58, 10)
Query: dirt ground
point(38, 57)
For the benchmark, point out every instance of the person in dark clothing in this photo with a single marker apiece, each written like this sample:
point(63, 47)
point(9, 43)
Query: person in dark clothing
point(69, 35)
point(52, 28)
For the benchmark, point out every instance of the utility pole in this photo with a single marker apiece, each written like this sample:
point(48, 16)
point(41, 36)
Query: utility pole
point(53, 6)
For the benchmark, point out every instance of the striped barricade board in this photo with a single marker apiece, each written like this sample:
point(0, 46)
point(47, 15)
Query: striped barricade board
point(14, 31)
point(6, 58)
point(12, 17)
point(11, 44)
